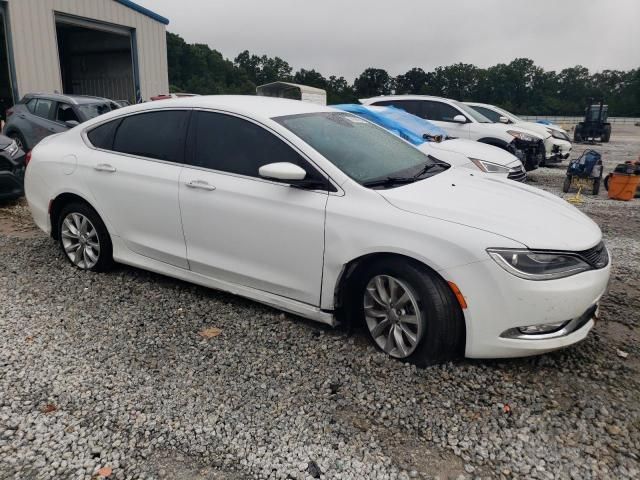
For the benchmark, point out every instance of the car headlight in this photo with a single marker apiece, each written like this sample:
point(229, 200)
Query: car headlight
point(538, 265)
point(12, 149)
point(521, 136)
point(489, 167)
point(559, 135)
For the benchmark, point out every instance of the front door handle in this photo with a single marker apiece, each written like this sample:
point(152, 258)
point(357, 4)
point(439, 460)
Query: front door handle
point(202, 184)
point(105, 167)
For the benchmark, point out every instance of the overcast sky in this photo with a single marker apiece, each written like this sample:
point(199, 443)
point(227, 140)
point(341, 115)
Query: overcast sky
point(343, 37)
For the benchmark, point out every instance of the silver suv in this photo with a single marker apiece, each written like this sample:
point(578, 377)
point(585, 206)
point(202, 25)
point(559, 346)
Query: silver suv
point(39, 115)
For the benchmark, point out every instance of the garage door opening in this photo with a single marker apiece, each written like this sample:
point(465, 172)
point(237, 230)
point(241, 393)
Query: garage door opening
point(96, 61)
point(6, 93)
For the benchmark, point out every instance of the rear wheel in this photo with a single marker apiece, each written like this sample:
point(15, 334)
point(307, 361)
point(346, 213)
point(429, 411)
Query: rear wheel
point(596, 186)
point(606, 134)
point(606, 182)
point(409, 312)
point(84, 238)
point(577, 134)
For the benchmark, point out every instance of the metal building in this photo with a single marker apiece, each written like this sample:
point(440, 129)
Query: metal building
point(110, 48)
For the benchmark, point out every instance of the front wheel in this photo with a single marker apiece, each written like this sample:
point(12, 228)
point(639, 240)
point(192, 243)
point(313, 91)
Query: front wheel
point(19, 139)
point(84, 238)
point(409, 312)
point(567, 184)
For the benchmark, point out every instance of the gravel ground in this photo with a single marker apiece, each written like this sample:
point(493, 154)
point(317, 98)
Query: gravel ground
point(134, 375)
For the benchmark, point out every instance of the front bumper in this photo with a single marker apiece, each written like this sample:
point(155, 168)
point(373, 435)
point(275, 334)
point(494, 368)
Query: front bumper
point(498, 303)
point(557, 150)
point(531, 154)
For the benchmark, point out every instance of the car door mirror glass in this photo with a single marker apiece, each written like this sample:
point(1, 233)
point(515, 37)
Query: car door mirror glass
point(460, 118)
point(282, 171)
point(503, 119)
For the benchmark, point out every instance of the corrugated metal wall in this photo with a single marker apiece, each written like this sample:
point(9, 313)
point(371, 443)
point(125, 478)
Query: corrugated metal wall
point(35, 49)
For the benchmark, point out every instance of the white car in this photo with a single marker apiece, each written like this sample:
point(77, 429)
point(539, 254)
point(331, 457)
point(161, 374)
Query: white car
point(458, 152)
point(557, 142)
point(320, 213)
point(461, 121)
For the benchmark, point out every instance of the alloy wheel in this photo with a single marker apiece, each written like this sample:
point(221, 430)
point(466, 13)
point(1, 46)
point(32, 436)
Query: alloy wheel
point(80, 240)
point(392, 315)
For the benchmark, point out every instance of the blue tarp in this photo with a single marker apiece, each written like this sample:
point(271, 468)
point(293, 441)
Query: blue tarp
point(544, 122)
point(397, 121)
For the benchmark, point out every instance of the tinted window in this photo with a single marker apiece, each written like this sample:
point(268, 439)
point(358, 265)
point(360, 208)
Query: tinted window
point(43, 108)
point(92, 110)
point(231, 144)
point(413, 107)
point(441, 112)
point(65, 113)
point(158, 135)
point(102, 136)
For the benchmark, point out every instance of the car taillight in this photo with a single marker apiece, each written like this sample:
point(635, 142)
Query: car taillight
point(27, 159)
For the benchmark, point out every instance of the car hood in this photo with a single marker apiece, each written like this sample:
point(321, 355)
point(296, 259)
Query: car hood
point(481, 151)
point(538, 128)
point(525, 214)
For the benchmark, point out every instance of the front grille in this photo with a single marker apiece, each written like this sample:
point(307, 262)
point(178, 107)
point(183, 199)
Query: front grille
point(519, 175)
point(597, 257)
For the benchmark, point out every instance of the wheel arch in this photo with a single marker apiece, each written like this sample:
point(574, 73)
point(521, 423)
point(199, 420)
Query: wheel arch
point(59, 202)
point(496, 142)
point(351, 269)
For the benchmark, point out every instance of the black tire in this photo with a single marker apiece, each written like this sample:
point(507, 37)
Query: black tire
point(596, 186)
point(105, 257)
point(19, 139)
point(606, 136)
point(606, 182)
point(442, 321)
point(567, 184)
point(577, 134)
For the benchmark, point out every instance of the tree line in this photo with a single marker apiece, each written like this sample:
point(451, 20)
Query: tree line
point(519, 86)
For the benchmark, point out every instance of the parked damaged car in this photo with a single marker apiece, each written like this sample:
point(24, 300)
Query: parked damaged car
point(37, 116)
point(556, 140)
point(433, 140)
point(12, 164)
point(318, 212)
point(461, 121)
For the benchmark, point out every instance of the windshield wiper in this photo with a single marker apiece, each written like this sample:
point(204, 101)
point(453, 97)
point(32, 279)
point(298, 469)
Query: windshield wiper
point(389, 182)
point(430, 166)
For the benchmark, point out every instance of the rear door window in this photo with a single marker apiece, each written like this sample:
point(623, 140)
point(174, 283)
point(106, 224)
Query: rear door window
point(103, 135)
point(159, 135)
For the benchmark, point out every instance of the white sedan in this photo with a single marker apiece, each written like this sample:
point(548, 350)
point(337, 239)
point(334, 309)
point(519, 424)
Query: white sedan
point(320, 213)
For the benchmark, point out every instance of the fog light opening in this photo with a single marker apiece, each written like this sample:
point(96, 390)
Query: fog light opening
point(541, 328)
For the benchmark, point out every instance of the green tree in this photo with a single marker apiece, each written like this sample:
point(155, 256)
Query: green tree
point(372, 82)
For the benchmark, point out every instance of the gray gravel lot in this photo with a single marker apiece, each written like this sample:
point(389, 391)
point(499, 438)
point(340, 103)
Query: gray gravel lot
point(109, 376)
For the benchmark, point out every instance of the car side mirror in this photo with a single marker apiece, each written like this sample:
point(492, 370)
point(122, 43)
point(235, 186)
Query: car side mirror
point(71, 123)
point(503, 119)
point(460, 118)
point(282, 171)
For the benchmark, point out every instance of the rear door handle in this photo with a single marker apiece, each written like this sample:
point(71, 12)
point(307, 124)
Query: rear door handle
point(201, 184)
point(105, 167)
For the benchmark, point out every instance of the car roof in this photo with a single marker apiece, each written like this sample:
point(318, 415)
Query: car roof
point(248, 105)
point(403, 97)
point(73, 99)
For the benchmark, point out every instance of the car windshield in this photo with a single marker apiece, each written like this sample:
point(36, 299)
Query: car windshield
point(509, 115)
point(477, 116)
point(92, 110)
point(363, 151)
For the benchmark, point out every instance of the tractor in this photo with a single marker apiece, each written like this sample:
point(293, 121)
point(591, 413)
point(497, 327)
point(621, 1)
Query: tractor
point(595, 123)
